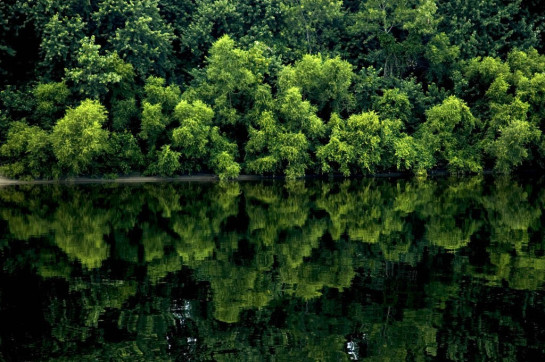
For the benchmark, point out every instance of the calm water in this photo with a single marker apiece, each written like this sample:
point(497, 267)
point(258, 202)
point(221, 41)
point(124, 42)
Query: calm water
point(376, 269)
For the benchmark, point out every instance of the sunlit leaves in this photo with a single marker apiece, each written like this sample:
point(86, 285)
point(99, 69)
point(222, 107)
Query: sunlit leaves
point(448, 135)
point(168, 162)
point(270, 149)
point(153, 122)
point(233, 83)
point(510, 148)
point(78, 137)
point(95, 74)
point(192, 136)
point(359, 144)
point(28, 149)
point(51, 100)
point(324, 82)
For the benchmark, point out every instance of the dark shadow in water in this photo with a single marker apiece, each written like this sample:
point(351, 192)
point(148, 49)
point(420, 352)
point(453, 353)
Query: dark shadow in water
point(377, 268)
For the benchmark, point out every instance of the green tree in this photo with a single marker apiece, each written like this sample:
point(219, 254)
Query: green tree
point(312, 26)
point(324, 82)
point(153, 123)
point(442, 56)
point(125, 115)
point(360, 145)
point(27, 152)
point(51, 101)
point(392, 34)
point(488, 28)
point(223, 155)
point(510, 135)
point(299, 115)
point(156, 92)
point(157, 107)
point(145, 40)
point(123, 154)
point(78, 138)
point(193, 134)
point(157, 112)
point(271, 149)
point(393, 104)
point(208, 22)
point(233, 83)
point(449, 136)
point(167, 162)
point(6, 51)
point(96, 75)
point(61, 39)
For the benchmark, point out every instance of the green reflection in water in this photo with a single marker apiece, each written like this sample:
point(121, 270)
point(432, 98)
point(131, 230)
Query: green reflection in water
point(377, 269)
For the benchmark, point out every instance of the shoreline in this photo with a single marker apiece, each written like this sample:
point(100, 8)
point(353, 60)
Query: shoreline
point(124, 179)
point(4, 181)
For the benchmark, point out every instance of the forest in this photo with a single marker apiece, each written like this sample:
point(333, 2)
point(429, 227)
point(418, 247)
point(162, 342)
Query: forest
point(270, 87)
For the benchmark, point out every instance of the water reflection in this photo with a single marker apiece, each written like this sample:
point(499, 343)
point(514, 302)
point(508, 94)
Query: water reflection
point(378, 269)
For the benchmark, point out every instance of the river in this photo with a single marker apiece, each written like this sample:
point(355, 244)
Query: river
point(373, 269)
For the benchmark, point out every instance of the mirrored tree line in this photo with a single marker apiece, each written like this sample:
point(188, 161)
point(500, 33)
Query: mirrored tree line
point(323, 270)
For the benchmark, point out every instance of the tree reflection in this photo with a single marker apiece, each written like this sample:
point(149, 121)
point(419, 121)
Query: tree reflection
point(399, 270)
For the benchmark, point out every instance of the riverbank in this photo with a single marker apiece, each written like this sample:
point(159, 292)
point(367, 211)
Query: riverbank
point(4, 181)
point(133, 179)
point(125, 179)
point(184, 178)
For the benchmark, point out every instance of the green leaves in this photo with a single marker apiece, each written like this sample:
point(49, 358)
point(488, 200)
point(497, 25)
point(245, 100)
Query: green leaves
point(60, 40)
point(273, 150)
point(449, 137)
point(157, 93)
point(489, 28)
point(299, 115)
point(277, 92)
point(157, 108)
point(511, 147)
point(363, 144)
point(324, 82)
point(27, 151)
point(78, 138)
point(393, 33)
point(192, 136)
point(311, 26)
point(145, 40)
point(233, 82)
point(442, 56)
point(222, 156)
point(510, 135)
point(393, 104)
point(51, 100)
point(153, 122)
point(123, 154)
point(168, 162)
point(96, 74)
point(509, 97)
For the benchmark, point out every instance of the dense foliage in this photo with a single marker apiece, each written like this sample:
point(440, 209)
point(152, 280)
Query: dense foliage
point(270, 87)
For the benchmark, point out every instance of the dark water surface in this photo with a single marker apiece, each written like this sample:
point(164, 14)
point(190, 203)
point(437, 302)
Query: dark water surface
point(437, 269)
